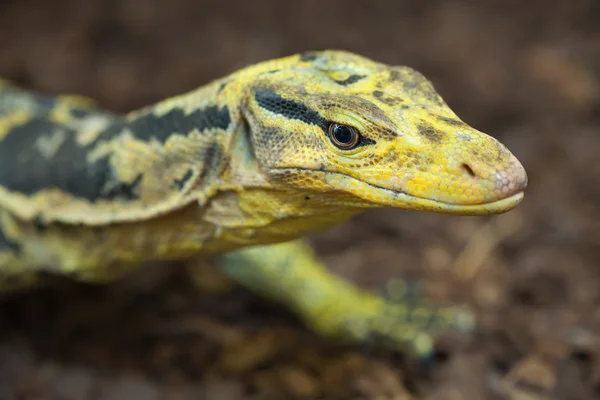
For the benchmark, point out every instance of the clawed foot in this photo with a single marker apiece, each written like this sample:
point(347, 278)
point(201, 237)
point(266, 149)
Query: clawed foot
point(404, 319)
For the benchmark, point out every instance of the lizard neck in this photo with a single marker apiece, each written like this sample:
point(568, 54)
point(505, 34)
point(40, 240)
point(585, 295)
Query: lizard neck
point(248, 208)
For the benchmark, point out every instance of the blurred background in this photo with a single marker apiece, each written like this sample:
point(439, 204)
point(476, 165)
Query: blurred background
point(527, 73)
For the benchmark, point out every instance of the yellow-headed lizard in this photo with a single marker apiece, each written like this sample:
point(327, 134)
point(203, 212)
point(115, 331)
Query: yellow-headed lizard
point(244, 166)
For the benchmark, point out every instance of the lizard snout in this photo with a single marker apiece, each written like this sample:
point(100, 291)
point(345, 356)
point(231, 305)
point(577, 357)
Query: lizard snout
point(502, 182)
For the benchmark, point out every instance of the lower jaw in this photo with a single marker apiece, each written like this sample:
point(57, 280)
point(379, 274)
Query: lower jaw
point(388, 198)
point(495, 207)
point(375, 196)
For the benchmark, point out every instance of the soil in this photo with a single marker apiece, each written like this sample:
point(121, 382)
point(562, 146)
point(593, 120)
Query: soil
point(527, 73)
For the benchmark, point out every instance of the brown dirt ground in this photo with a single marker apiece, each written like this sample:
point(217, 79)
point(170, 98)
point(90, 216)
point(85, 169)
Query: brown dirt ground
point(525, 72)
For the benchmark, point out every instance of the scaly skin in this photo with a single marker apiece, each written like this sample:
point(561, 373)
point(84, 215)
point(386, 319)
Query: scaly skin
point(237, 166)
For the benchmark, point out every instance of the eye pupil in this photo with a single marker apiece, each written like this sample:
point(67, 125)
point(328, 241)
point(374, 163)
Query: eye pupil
point(343, 133)
point(343, 136)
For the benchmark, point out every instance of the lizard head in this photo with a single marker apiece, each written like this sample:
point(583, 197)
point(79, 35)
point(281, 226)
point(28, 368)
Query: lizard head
point(368, 134)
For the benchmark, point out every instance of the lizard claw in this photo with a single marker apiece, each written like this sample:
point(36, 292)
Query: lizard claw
point(406, 319)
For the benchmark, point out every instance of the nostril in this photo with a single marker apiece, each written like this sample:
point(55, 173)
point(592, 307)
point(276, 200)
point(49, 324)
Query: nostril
point(468, 170)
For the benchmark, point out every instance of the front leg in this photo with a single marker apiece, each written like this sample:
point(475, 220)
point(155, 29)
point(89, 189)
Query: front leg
point(291, 274)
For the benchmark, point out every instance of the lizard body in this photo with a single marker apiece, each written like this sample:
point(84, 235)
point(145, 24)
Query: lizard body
point(266, 155)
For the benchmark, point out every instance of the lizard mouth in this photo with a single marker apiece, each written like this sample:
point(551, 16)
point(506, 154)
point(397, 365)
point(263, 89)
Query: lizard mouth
point(408, 201)
point(397, 198)
point(386, 197)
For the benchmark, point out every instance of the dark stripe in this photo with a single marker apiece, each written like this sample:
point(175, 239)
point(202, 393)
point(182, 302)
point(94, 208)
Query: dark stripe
point(291, 109)
point(179, 184)
point(162, 127)
point(351, 79)
point(6, 244)
point(390, 101)
point(222, 86)
point(364, 141)
point(452, 121)
point(24, 170)
point(211, 160)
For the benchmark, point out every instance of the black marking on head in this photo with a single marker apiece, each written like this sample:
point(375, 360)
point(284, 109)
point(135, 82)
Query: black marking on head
point(309, 56)
point(452, 121)
point(68, 170)
point(429, 132)
point(364, 141)
point(395, 75)
point(378, 93)
point(222, 86)
point(291, 109)
point(368, 109)
point(161, 128)
point(390, 101)
point(351, 79)
point(7, 244)
point(179, 184)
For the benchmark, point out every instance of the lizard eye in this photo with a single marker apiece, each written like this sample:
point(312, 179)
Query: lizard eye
point(343, 137)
